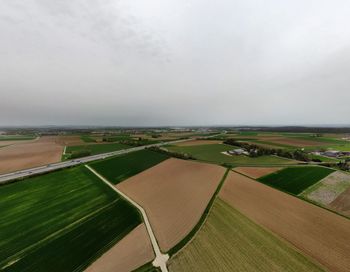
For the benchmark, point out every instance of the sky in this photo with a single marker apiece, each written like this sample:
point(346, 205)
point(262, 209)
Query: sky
point(178, 63)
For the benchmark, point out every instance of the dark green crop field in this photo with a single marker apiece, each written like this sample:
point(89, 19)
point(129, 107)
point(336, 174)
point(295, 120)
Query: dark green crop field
point(296, 179)
point(119, 168)
point(60, 221)
point(95, 149)
point(88, 139)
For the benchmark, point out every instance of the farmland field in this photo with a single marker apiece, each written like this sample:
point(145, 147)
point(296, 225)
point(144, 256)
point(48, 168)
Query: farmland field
point(68, 211)
point(95, 149)
point(198, 142)
point(119, 168)
point(213, 153)
point(342, 203)
point(296, 179)
point(316, 232)
point(328, 189)
point(29, 154)
point(229, 241)
point(16, 137)
point(88, 139)
point(130, 253)
point(256, 172)
point(174, 194)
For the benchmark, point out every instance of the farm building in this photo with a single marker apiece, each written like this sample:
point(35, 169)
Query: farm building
point(238, 151)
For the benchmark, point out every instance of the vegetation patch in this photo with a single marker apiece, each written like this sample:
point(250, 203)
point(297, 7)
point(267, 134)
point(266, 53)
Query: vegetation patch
point(296, 179)
point(88, 139)
point(328, 189)
point(61, 221)
point(214, 153)
point(93, 149)
point(119, 168)
point(229, 241)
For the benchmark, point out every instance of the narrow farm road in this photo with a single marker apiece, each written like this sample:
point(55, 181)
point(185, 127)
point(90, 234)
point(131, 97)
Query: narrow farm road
point(161, 259)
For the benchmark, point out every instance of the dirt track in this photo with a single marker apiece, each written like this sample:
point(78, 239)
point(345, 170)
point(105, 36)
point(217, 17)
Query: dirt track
point(319, 233)
point(43, 151)
point(133, 251)
point(174, 194)
point(256, 172)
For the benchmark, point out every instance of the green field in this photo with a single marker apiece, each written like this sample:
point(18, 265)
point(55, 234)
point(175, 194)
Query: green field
point(212, 153)
point(87, 139)
point(119, 168)
point(61, 221)
point(229, 241)
point(16, 137)
point(323, 158)
point(95, 149)
point(296, 179)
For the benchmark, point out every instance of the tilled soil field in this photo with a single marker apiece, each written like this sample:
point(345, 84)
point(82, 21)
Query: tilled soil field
point(317, 232)
point(43, 151)
point(133, 251)
point(174, 194)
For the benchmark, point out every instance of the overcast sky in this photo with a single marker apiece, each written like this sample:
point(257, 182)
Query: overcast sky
point(174, 62)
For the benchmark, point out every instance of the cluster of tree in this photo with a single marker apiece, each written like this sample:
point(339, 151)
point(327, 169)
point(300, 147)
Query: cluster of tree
point(257, 151)
point(79, 154)
point(183, 156)
point(343, 165)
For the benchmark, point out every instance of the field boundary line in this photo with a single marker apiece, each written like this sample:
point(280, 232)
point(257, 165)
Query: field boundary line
point(160, 259)
point(193, 233)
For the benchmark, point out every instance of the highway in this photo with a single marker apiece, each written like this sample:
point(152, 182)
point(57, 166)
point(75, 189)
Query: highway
point(59, 165)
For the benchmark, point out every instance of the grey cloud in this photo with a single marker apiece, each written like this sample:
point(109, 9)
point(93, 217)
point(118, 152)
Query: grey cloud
point(162, 62)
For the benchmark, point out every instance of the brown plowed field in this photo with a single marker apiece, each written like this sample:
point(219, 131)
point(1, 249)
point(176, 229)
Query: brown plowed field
point(70, 140)
point(317, 232)
point(30, 154)
point(256, 172)
point(5, 143)
point(342, 203)
point(174, 195)
point(198, 142)
point(133, 251)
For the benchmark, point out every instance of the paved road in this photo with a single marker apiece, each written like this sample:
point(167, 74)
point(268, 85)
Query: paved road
point(54, 166)
point(160, 259)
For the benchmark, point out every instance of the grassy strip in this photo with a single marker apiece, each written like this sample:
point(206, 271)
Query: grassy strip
point(192, 233)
